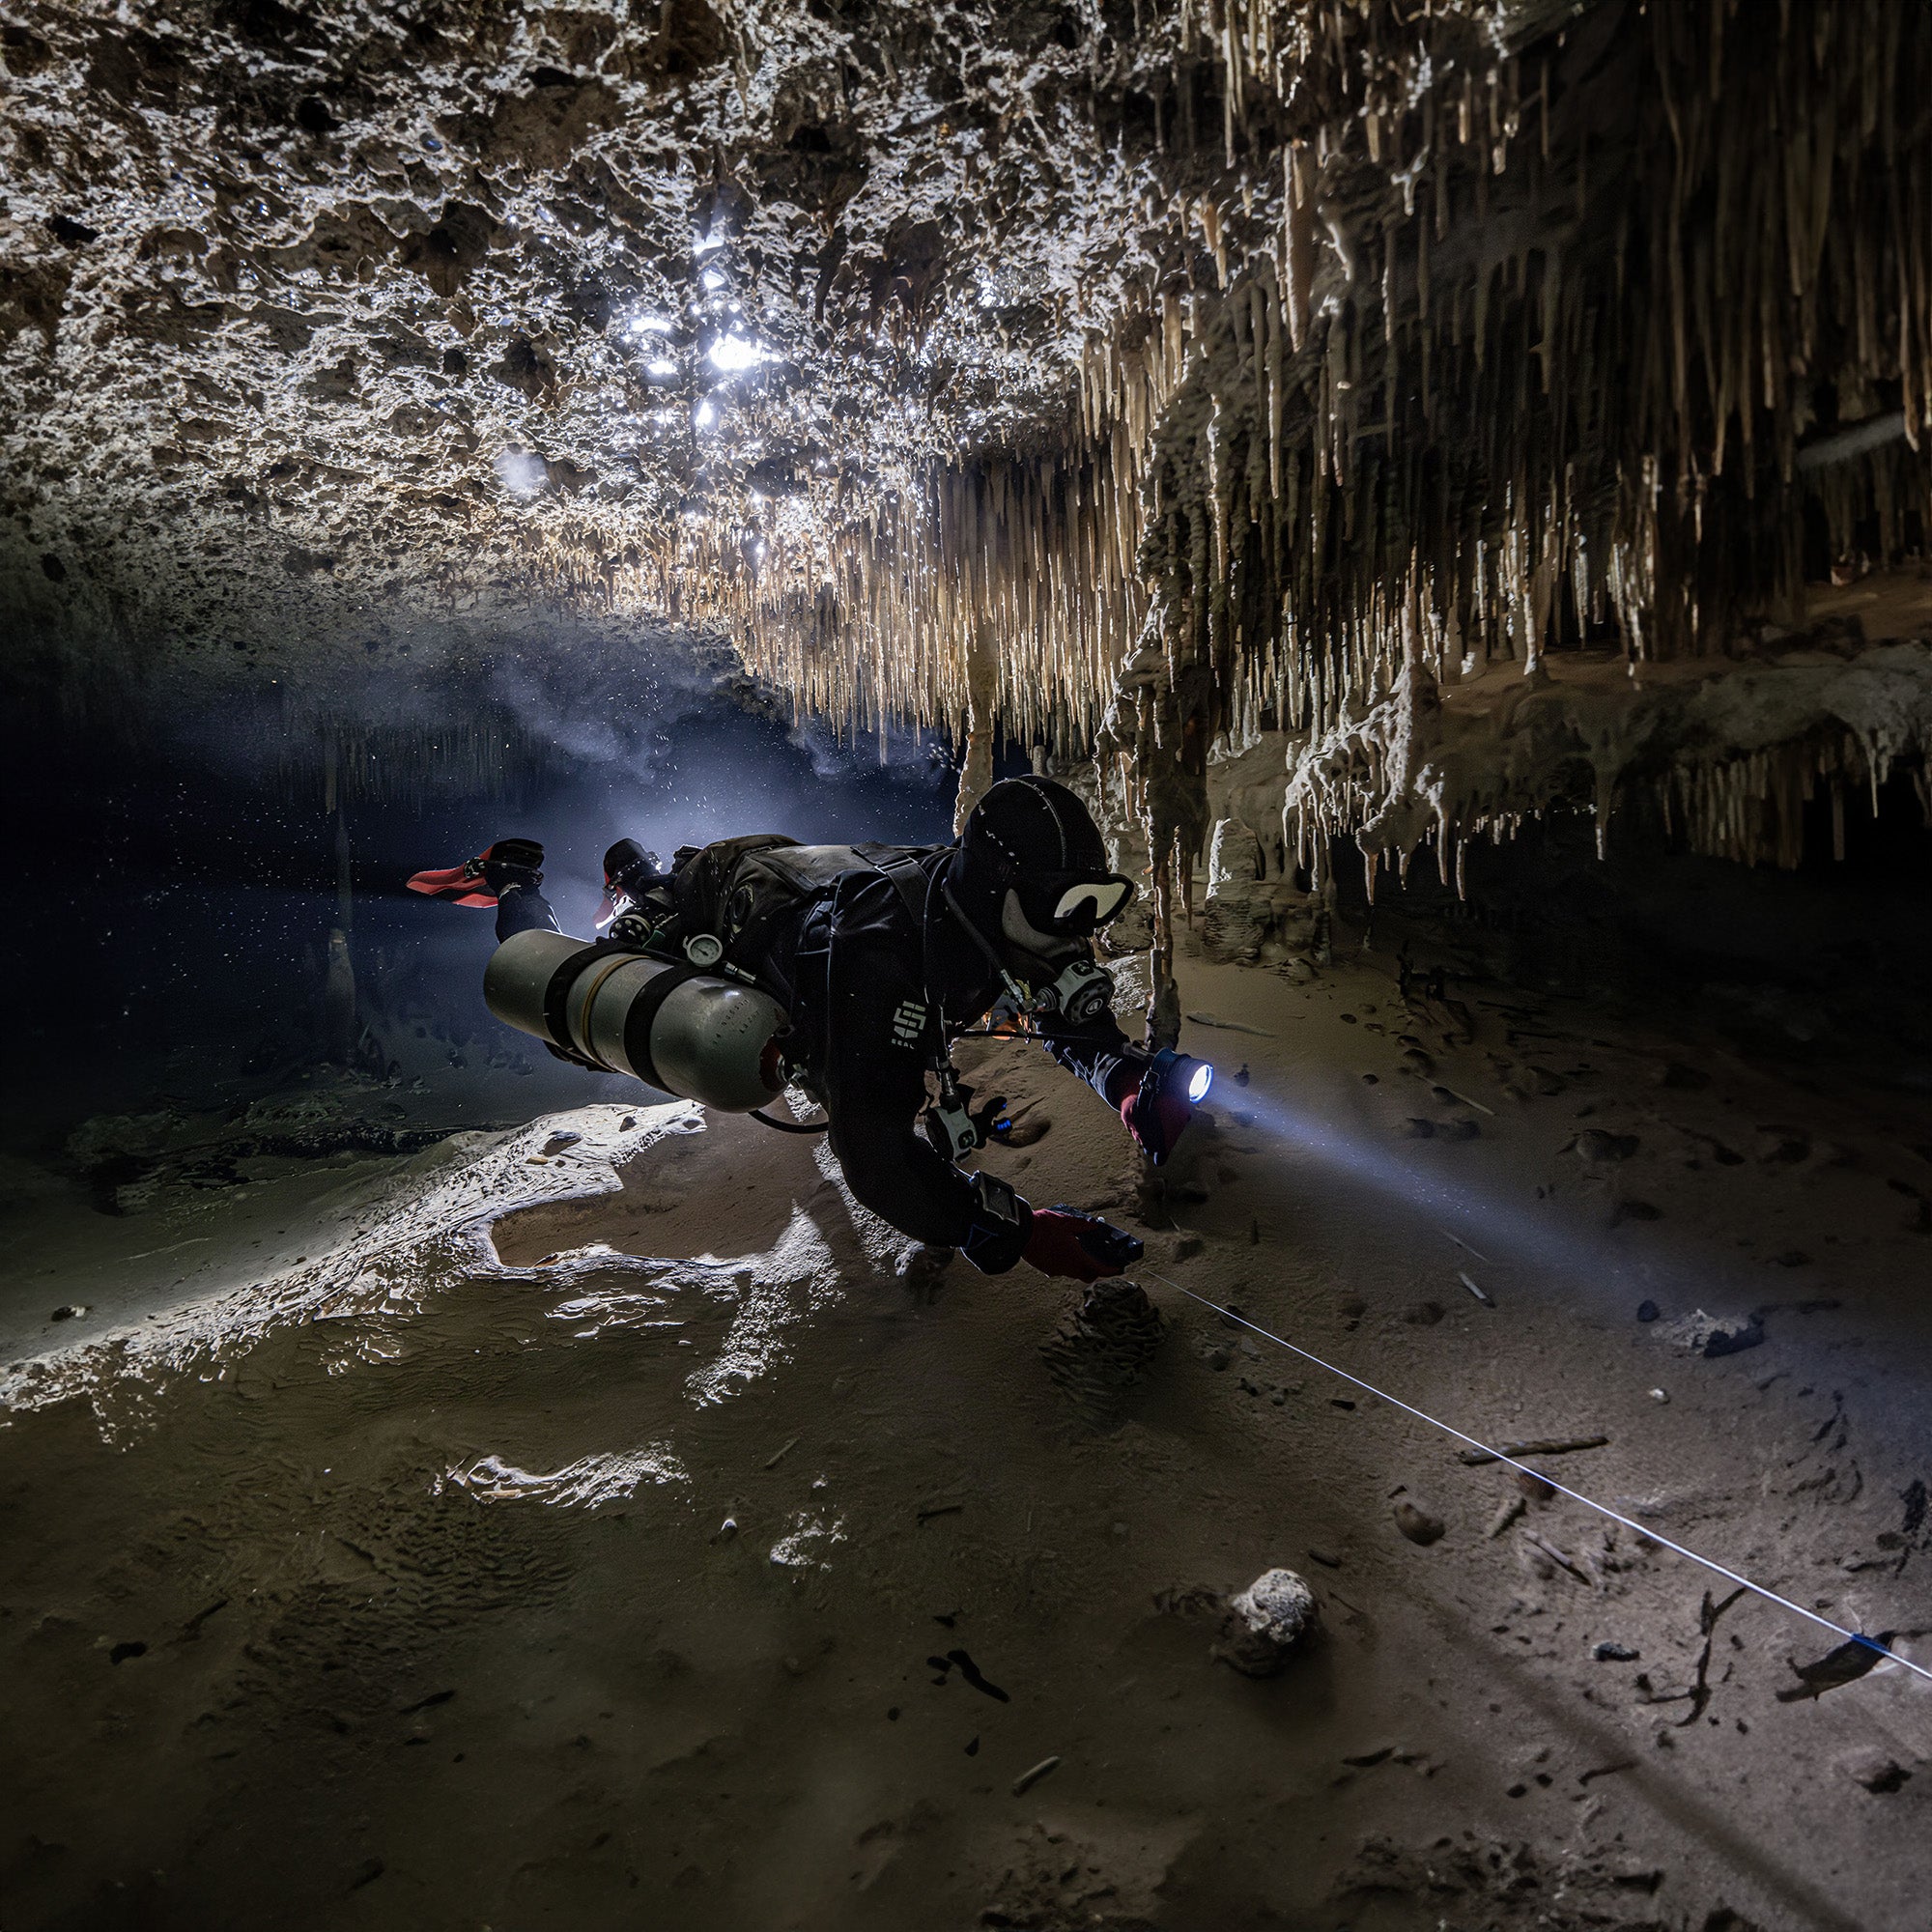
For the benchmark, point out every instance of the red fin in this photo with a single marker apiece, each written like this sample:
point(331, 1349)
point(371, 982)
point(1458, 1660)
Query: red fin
point(457, 883)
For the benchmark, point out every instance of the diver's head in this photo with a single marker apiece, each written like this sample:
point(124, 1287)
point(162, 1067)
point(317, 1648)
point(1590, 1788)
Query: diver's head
point(629, 872)
point(1031, 873)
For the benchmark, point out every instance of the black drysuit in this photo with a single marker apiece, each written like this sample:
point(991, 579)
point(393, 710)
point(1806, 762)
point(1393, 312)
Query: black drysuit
point(863, 985)
point(867, 993)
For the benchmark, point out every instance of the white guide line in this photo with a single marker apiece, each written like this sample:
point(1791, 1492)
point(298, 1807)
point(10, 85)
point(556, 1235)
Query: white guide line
point(1543, 1476)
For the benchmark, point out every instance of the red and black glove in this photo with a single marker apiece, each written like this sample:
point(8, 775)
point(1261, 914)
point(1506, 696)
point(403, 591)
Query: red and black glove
point(1159, 1108)
point(482, 880)
point(1062, 1240)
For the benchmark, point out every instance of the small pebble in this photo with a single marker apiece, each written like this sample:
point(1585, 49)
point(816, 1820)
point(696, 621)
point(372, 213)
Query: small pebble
point(1615, 1653)
point(1417, 1524)
point(1595, 1144)
point(1648, 1311)
point(1876, 1769)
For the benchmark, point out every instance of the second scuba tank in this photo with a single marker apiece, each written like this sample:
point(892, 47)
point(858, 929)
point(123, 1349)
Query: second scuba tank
point(686, 1032)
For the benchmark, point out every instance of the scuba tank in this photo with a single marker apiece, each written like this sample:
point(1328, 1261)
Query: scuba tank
point(675, 1026)
point(702, 1026)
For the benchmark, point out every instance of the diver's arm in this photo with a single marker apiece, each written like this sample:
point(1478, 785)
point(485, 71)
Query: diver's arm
point(1100, 1054)
point(1150, 1091)
point(874, 1088)
point(902, 1179)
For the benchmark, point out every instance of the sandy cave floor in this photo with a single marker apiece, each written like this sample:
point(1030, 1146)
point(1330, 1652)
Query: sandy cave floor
point(395, 1590)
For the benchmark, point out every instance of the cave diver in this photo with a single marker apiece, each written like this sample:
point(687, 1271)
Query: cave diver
point(849, 971)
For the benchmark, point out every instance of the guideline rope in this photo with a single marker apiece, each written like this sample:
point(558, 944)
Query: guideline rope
point(1543, 1476)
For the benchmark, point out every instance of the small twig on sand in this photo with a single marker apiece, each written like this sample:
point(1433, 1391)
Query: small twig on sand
point(1541, 1445)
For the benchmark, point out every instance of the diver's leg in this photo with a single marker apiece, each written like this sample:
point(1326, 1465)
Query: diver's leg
point(521, 906)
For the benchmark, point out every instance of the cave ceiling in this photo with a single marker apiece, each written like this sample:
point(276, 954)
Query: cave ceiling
point(341, 320)
point(1126, 375)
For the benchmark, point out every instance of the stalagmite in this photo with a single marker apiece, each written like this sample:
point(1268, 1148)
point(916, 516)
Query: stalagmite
point(340, 1028)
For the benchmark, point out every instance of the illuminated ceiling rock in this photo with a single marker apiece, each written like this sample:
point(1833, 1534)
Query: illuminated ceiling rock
point(425, 314)
point(1231, 367)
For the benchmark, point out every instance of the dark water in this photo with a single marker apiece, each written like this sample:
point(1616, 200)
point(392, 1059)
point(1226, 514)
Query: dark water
point(175, 890)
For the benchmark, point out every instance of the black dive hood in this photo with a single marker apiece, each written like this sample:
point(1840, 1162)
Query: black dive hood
point(1034, 838)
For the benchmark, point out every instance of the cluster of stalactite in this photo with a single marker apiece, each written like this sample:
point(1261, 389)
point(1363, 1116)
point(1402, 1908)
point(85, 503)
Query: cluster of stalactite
point(1014, 577)
point(1027, 563)
point(1489, 327)
point(1600, 344)
point(1751, 809)
point(350, 762)
point(1728, 766)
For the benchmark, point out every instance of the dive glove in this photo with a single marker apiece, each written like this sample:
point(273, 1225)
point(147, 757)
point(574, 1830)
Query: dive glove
point(1159, 1108)
point(1062, 1240)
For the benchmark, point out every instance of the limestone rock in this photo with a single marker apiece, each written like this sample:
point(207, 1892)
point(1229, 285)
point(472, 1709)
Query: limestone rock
point(1877, 1770)
point(1711, 1335)
point(1266, 1623)
point(1417, 1524)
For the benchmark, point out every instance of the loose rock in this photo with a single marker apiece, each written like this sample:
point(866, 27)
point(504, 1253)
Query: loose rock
point(1266, 1623)
point(1876, 1769)
point(1417, 1524)
point(1712, 1335)
point(1593, 1143)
